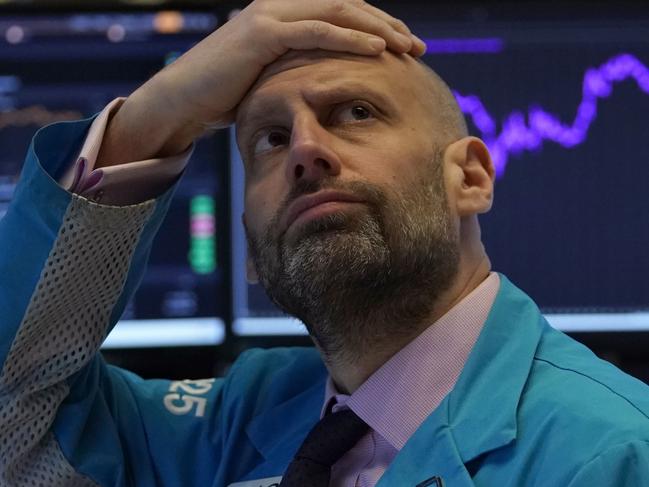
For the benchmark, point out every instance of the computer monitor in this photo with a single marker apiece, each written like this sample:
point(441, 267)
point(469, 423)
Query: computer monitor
point(563, 107)
point(67, 66)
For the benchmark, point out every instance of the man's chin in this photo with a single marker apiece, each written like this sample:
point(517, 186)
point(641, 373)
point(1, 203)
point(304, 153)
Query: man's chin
point(339, 256)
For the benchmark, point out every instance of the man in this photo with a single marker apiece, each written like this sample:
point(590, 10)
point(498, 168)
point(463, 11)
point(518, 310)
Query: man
point(362, 195)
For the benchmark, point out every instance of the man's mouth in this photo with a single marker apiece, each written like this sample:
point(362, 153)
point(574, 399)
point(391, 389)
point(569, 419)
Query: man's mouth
point(317, 205)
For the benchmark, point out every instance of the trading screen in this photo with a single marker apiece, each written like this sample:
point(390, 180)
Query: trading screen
point(68, 67)
point(563, 108)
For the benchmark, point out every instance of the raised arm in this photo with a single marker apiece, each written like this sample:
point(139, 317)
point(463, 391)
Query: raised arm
point(202, 89)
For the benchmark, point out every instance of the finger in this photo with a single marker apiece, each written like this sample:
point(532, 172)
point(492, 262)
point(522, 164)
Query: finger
point(354, 15)
point(396, 24)
point(346, 14)
point(396, 33)
point(316, 34)
point(330, 10)
point(418, 45)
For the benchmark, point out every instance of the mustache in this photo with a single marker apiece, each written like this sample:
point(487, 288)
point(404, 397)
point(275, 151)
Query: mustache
point(369, 193)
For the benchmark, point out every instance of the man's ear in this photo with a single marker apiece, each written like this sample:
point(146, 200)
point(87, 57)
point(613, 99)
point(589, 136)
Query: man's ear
point(251, 270)
point(470, 176)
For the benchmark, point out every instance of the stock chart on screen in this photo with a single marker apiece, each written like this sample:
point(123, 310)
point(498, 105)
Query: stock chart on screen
point(563, 108)
point(69, 66)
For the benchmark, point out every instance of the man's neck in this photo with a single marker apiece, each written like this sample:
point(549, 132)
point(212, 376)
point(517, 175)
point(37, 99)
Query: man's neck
point(350, 368)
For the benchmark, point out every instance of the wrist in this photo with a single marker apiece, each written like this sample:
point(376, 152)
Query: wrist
point(146, 126)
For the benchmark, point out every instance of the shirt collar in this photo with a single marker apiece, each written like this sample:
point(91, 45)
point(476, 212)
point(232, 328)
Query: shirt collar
point(400, 395)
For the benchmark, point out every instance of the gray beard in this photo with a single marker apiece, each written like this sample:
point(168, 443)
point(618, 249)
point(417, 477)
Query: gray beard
point(360, 282)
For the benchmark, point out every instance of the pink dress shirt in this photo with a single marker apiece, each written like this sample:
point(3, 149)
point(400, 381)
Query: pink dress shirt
point(399, 396)
point(396, 399)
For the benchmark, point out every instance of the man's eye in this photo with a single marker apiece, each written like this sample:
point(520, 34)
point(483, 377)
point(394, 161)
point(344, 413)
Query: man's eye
point(353, 113)
point(269, 140)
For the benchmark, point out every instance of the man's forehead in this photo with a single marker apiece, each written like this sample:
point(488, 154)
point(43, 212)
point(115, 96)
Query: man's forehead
point(298, 59)
point(325, 67)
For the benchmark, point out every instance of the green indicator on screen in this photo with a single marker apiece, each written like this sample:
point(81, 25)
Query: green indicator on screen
point(202, 241)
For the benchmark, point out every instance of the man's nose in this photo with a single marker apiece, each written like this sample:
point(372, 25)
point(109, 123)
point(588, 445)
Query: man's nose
point(311, 156)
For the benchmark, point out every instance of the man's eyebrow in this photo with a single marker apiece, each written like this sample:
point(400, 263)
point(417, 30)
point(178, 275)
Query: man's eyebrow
point(256, 113)
point(257, 116)
point(347, 92)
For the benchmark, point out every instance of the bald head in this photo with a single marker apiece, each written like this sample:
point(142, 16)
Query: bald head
point(444, 106)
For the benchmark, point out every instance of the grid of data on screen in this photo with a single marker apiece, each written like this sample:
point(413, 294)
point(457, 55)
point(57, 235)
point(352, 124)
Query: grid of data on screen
point(563, 110)
point(67, 67)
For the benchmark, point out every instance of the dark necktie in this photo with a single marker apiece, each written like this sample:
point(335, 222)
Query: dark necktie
point(326, 443)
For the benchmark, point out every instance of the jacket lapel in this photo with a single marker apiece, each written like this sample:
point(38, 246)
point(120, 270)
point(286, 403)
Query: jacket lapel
point(278, 432)
point(479, 414)
point(430, 452)
point(484, 402)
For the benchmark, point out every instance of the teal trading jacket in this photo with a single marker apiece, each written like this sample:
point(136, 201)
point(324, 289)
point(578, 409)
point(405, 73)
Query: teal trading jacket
point(531, 407)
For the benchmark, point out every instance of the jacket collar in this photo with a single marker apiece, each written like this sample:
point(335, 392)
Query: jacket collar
point(479, 415)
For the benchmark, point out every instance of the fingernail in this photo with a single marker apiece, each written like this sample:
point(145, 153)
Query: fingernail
point(377, 44)
point(419, 42)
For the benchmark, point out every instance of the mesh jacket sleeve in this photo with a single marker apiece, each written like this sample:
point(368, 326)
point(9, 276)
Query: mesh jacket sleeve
point(68, 267)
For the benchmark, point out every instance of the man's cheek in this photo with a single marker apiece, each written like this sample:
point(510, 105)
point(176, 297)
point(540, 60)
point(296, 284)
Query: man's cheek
point(256, 217)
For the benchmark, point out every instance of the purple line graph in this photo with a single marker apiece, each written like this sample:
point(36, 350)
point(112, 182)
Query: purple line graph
point(527, 132)
point(458, 46)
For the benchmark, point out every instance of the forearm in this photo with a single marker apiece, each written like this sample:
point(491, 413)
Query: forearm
point(68, 267)
point(146, 126)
